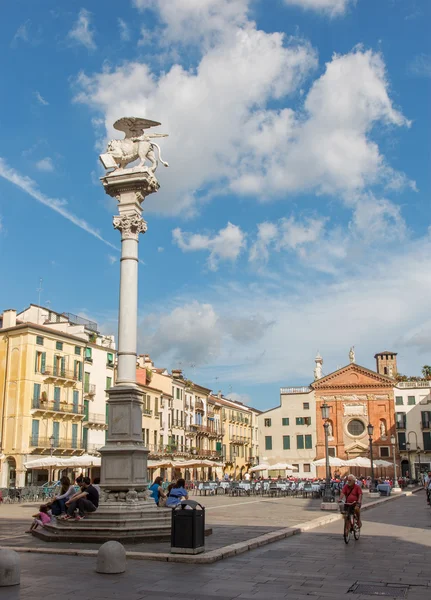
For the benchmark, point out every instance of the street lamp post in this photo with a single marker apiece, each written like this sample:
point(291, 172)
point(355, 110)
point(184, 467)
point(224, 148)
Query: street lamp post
point(396, 485)
point(408, 460)
point(51, 449)
point(234, 454)
point(328, 495)
point(370, 429)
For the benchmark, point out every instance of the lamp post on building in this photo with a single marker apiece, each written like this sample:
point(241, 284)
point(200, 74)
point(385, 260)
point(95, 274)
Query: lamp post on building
point(51, 450)
point(408, 460)
point(328, 495)
point(396, 487)
point(413, 475)
point(370, 429)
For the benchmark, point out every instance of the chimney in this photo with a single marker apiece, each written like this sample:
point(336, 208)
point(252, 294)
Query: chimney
point(9, 318)
point(219, 394)
point(177, 373)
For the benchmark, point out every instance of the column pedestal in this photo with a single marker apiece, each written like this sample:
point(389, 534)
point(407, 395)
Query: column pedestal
point(126, 511)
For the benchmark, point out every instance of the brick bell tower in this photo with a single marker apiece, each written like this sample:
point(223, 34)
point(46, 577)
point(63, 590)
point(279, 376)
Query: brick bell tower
point(386, 363)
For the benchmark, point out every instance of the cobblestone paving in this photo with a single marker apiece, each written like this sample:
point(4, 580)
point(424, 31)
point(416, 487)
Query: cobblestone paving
point(394, 549)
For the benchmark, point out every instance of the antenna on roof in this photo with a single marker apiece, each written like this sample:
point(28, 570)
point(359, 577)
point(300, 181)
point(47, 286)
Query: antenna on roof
point(39, 289)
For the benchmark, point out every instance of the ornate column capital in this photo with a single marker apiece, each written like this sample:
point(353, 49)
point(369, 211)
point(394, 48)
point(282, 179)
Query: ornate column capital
point(130, 226)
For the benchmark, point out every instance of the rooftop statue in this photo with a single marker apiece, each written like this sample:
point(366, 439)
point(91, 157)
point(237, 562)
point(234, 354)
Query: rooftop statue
point(136, 145)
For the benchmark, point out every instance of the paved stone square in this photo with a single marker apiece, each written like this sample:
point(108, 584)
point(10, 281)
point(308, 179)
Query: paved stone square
point(394, 550)
point(232, 519)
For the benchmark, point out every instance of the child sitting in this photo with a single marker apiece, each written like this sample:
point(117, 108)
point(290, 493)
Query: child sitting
point(41, 518)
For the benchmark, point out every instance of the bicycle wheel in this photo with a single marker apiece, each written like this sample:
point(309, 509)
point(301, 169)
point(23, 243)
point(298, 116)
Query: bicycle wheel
point(356, 531)
point(347, 530)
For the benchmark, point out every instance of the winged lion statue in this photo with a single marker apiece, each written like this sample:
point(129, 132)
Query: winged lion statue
point(136, 145)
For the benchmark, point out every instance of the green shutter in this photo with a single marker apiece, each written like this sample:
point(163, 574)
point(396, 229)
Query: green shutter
point(286, 442)
point(308, 442)
point(74, 435)
point(75, 401)
point(56, 432)
point(43, 362)
point(80, 371)
point(34, 432)
point(36, 395)
point(300, 442)
point(86, 407)
point(84, 438)
point(63, 365)
point(268, 442)
point(57, 393)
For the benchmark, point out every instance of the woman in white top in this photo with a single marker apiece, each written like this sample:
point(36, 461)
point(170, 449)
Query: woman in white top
point(58, 503)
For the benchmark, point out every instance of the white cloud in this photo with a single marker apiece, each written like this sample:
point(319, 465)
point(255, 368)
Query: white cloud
point(112, 259)
point(421, 65)
point(82, 32)
point(160, 249)
point(227, 244)
point(243, 398)
point(124, 30)
point(188, 332)
point(213, 104)
point(45, 164)
point(267, 234)
point(198, 21)
point(334, 8)
point(295, 234)
point(329, 149)
point(369, 307)
point(378, 219)
point(41, 99)
point(59, 206)
point(21, 33)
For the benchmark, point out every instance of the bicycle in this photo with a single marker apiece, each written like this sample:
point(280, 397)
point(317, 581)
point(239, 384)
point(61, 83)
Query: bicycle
point(351, 525)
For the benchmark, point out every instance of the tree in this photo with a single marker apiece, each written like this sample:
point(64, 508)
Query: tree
point(426, 371)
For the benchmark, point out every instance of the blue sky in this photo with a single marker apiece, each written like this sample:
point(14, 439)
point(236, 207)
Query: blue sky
point(294, 216)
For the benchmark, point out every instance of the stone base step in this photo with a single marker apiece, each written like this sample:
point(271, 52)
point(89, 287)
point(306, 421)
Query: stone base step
point(115, 521)
point(131, 535)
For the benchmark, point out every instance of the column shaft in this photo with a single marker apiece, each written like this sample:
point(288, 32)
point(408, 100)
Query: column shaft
point(128, 312)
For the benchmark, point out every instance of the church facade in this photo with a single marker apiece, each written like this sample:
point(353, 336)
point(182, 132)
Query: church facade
point(357, 396)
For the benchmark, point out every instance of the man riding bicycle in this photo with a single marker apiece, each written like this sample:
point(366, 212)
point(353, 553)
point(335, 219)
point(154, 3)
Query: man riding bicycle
point(351, 493)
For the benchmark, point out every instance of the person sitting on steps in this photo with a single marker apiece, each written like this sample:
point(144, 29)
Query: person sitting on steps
point(86, 501)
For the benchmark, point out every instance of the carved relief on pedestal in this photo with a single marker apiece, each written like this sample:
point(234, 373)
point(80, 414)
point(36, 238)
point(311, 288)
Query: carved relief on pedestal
point(130, 226)
point(355, 410)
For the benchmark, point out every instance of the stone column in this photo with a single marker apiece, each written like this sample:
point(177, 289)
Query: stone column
point(124, 456)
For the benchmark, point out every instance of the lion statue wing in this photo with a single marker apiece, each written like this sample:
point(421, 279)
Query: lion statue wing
point(133, 127)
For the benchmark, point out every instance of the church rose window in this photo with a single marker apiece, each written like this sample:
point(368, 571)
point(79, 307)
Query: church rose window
point(356, 427)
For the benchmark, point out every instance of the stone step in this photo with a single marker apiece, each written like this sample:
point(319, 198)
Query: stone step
point(106, 522)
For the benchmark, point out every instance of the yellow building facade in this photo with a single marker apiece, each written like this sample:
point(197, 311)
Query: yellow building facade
point(41, 397)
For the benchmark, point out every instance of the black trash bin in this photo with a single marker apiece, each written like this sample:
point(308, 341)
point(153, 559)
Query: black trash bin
point(188, 528)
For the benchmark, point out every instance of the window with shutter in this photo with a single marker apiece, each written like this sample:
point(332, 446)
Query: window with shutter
point(300, 442)
point(36, 395)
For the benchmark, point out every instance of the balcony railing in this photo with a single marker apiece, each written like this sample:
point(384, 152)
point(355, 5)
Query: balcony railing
point(95, 418)
point(93, 448)
point(89, 389)
point(204, 429)
point(401, 424)
point(239, 439)
point(426, 424)
point(56, 372)
point(295, 390)
point(59, 444)
point(199, 405)
point(177, 423)
point(147, 412)
point(56, 406)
